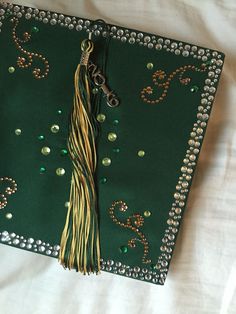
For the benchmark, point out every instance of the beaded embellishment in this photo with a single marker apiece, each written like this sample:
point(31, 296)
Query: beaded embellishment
point(27, 61)
point(10, 189)
point(159, 81)
point(133, 222)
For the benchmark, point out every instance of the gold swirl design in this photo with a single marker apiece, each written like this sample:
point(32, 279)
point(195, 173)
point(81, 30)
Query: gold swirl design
point(10, 189)
point(161, 80)
point(27, 61)
point(133, 222)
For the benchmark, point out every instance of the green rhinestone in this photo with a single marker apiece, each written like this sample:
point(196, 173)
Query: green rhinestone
point(45, 150)
point(35, 29)
point(106, 161)
point(42, 170)
point(123, 249)
point(11, 70)
point(60, 172)
point(116, 122)
point(112, 137)
point(64, 152)
point(194, 89)
point(147, 213)
point(7, 14)
point(208, 62)
point(41, 137)
point(116, 150)
point(149, 66)
point(141, 153)
point(152, 266)
point(18, 132)
point(101, 117)
point(103, 180)
point(59, 111)
point(95, 90)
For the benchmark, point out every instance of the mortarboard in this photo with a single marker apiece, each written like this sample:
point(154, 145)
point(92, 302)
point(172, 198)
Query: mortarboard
point(101, 129)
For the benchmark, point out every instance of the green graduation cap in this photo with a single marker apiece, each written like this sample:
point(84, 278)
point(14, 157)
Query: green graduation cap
point(101, 128)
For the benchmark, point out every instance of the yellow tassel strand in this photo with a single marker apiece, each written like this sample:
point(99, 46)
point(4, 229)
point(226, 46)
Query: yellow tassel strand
point(80, 245)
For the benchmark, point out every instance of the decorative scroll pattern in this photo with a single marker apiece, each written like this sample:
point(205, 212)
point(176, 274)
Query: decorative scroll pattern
point(10, 189)
point(133, 222)
point(27, 61)
point(162, 81)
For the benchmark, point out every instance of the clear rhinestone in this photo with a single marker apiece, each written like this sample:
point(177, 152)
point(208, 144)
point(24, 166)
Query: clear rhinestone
point(28, 16)
point(174, 45)
point(16, 241)
point(53, 22)
point(158, 46)
point(185, 53)
point(120, 32)
point(131, 40)
point(201, 52)
point(16, 8)
point(147, 39)
point(42, 14)
point(177, 52)
point(41, 248)
point(67, 20)
point(79, 27)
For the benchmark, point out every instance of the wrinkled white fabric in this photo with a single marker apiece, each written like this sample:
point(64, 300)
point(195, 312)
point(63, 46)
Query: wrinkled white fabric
point(202, 276)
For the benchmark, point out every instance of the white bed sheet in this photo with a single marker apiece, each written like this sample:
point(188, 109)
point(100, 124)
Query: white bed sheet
point(202, 276)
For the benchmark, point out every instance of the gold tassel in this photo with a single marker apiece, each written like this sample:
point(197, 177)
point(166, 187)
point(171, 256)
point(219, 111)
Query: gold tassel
point(80, 245)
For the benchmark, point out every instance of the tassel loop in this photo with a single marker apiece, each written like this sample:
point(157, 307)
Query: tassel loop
point(86, 48)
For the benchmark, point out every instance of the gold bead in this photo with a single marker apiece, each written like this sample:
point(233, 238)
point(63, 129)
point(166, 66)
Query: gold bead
point(112, 137)
point(60, 172)
point(101, 117)
point(11, 70)
point(55, 128)
point(106, 161)
point(141, 153)
point(147, 213)
point(149, 66)
point(18, 131)
point(45, 150)
point(8, 215)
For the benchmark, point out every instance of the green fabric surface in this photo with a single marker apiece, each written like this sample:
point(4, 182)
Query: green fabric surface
point(162, 130)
